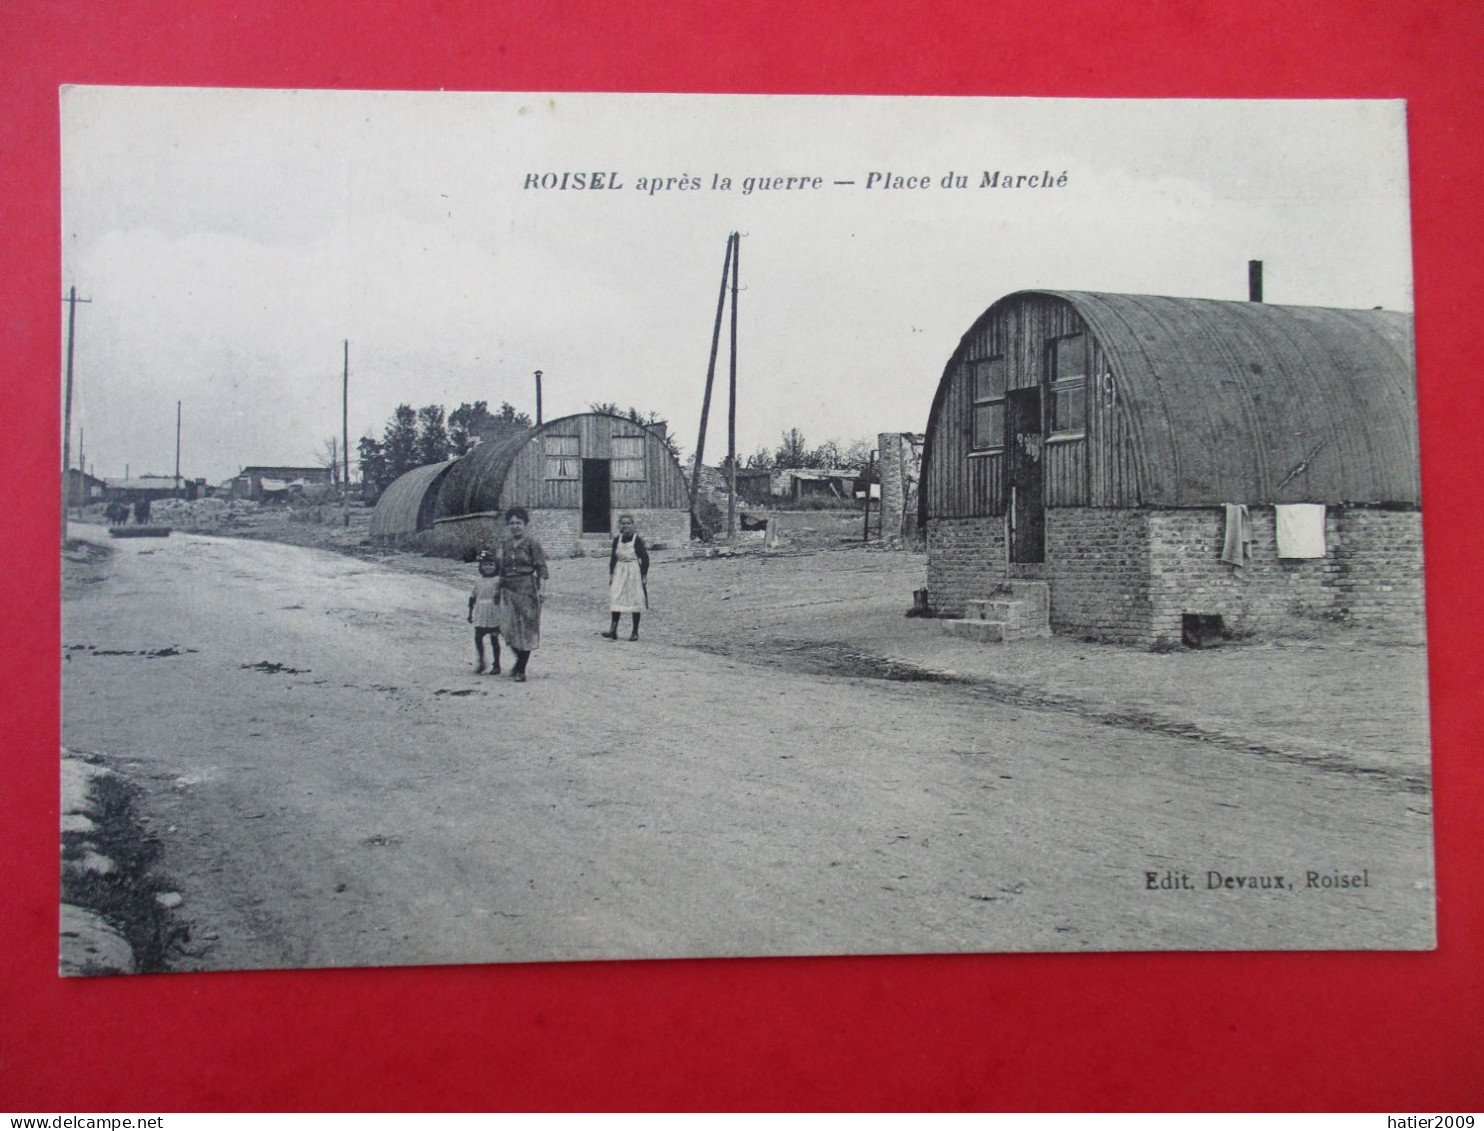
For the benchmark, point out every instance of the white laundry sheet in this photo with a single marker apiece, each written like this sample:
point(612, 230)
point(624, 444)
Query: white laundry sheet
point(1300, 530)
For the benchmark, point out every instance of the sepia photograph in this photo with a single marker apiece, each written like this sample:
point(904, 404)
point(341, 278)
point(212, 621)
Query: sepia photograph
point(526, 527)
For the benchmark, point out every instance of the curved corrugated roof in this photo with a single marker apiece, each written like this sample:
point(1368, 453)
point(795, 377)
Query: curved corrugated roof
point(407, 505)
point(473, 484)
point(1257, 403)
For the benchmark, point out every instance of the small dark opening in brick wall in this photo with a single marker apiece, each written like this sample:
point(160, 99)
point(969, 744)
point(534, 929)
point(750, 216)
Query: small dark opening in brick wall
point(1200, 630)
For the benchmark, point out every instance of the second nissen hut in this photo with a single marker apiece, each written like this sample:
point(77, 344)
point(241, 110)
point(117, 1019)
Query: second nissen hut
point(1149, 469)
point(576, 476)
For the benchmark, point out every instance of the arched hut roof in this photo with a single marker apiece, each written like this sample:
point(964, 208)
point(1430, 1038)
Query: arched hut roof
point(474, 484)
point(406, 506)
point(1252, 402)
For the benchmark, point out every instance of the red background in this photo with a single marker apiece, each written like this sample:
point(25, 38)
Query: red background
point(1386, 1032)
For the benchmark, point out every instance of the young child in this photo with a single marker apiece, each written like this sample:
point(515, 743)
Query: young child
point(484, 611)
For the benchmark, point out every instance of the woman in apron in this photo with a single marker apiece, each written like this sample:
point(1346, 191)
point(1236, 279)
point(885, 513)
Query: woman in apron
point(628, 573)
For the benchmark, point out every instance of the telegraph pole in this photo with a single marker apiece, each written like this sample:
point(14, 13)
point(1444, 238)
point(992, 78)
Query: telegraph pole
point(71, 300)
point(732, 403)
point(177, 449)
point(345, 435)
point(721, 298)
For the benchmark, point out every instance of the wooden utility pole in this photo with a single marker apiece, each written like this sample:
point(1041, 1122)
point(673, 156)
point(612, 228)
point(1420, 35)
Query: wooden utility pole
point(732, 403)
point(177, 449)
point(345, 435)
point(721, 298)
point(538, 398)
point(72, 300)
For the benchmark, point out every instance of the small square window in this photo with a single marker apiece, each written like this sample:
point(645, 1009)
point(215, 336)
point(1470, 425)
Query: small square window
point(1069, 406)
point(628, 457)
point(562, 457)
point(989, 425)
point(990, 378)
point(1069, 358)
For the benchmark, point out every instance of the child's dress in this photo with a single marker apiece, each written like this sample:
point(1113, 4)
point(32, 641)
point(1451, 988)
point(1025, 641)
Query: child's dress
point(487, 602)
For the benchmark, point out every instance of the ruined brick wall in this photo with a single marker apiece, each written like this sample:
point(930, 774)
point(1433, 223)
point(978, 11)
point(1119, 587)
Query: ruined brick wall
point(899, 467)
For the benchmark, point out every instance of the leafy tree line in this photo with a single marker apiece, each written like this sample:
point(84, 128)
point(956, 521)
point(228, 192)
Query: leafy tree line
point(414, 437)
point(794, 451)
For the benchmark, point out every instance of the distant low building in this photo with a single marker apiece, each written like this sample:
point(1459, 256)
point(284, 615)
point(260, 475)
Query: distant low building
point(799, 484)
point(83, 488)
point(148, 488)
point(266, 482)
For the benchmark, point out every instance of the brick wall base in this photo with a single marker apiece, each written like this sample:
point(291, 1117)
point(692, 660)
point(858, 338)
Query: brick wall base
point(558, 531)
point(1131, 576)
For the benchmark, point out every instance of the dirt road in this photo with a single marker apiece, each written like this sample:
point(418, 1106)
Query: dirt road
point(334, 786)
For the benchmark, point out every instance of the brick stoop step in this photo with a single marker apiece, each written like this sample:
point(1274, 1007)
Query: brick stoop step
point(1018, 609)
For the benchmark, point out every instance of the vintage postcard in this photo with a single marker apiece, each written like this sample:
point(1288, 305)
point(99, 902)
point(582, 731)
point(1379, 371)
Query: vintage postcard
point(539, 527)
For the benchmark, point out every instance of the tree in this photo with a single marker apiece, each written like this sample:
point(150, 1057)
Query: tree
point(373, 463)
point(827, 455)
point(793, 451)
point(760, 459)
point(328, 457)
point(467, 425)
point(471, 424)
point(432, 435)
point(859, 453)
point(508, 415)
point(399, 441)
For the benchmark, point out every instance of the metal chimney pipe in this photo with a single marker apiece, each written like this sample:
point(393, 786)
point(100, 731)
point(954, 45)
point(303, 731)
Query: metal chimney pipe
point(1254, 280)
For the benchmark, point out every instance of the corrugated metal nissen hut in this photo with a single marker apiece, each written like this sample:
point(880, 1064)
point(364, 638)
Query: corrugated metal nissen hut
point(1151, 469)
point(408, 506)
point(576, 475)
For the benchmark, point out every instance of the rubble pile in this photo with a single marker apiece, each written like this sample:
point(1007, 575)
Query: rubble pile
point(202, 514)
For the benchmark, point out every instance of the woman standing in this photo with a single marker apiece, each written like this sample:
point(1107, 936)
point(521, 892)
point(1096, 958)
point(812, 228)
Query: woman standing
point(522, 571)
point(628, 573)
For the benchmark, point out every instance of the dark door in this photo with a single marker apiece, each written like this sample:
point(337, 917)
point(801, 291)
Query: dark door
point(596, 500)
point(1023, 436)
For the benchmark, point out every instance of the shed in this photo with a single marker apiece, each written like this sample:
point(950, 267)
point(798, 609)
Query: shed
point(1089, 443)
point(410, 503)
point(261, 481)
point(80, 488)
point(575, 475)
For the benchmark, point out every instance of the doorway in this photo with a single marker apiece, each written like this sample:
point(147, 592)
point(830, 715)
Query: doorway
point(597, 500)
point(1023, 475)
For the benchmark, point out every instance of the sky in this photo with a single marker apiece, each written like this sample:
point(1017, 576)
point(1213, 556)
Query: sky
point(230, 241)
